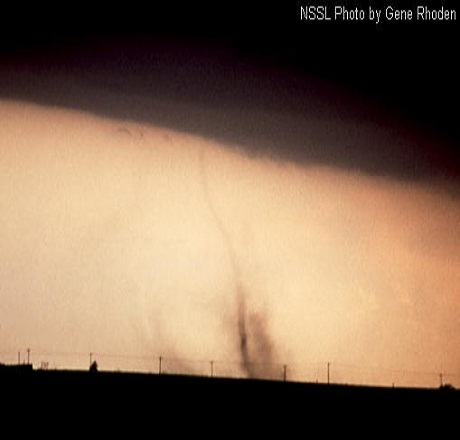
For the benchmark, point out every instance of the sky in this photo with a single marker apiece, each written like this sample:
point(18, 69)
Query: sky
point(267, 199)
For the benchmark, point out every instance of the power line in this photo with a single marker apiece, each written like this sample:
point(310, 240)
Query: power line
point(267, 370)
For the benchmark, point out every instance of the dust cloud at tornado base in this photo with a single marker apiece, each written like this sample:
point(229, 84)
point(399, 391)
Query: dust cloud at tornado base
point(120, 237)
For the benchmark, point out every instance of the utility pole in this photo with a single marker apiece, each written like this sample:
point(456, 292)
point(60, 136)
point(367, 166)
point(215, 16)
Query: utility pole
point(159, 366)
point(284, 372)
point(328, 371)
point(19, 357)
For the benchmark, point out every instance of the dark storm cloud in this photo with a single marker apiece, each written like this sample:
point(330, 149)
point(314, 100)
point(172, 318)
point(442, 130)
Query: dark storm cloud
point(354, 97)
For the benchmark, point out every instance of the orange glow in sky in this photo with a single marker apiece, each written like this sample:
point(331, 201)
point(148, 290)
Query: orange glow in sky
point(127, 239)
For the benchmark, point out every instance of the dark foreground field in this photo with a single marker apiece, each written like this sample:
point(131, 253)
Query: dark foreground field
point(175, 402)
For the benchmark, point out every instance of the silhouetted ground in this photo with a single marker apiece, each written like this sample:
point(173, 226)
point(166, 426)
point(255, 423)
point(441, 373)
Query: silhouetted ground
point(112, 400)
